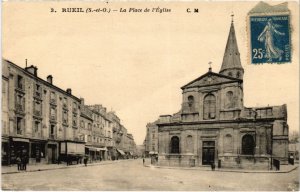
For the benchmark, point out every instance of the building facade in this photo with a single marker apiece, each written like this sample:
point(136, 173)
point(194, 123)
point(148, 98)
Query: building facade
point(151, 140)
point(47, 124)
point(214, 127)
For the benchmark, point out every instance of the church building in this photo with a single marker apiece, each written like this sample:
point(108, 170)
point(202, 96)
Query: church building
point(214, 127)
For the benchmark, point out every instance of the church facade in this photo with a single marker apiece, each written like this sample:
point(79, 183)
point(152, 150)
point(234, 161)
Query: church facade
point(214, 127)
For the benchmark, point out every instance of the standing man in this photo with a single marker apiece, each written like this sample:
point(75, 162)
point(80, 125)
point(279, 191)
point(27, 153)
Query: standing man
point(18, 160)
point(143, 161)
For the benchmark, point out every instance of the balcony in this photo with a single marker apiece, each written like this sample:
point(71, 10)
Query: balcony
point(38, 95)
point(20, 108)
point(19, 131)
point(52, 136)
point(65, 106)
point(65, 122)
point(36, 134)
point(20, 88)
point(53, 101)
point(53, 118)
point(37, 113)
point(74, 123)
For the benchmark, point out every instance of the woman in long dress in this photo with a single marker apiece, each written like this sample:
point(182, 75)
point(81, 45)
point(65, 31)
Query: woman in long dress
point(267, 35)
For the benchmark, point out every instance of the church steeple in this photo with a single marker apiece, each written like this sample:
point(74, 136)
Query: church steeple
point(231, 65)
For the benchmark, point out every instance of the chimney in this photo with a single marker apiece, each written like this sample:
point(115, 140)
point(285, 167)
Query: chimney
point(32, 69)
point(82, 101)
point(69, 91)
point(49, 79)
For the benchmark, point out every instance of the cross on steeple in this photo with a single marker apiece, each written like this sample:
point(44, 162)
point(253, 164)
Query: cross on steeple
point(232, 16)
point(209, 63)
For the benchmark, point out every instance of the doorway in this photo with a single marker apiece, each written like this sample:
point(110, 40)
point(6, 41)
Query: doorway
point(208, 152)
point(51, 153)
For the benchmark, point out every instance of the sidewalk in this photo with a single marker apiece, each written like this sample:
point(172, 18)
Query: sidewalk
point(283, 169)
point(43, 167)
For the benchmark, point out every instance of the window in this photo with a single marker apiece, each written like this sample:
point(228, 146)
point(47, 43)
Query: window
point(248, 145)
point(174, 144)
point(52, 97)
point(36, 126)
point(229, 97)
point(230, 74)
point(209, 107)
point(74, 107)
point(65, 103)
point(37, 90)
point(37, 109)
point(52, 129)
point(65, 117)
point(82, 123)
point(20, 124)
point(20, 82)
point(190, 101)
point(74, 121)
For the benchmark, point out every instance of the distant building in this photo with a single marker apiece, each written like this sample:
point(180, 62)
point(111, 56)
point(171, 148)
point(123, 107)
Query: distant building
point(214, 127)
point(125, 146)
point(151, 140)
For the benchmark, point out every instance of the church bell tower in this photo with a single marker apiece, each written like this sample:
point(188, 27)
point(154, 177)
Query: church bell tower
point(231, 65)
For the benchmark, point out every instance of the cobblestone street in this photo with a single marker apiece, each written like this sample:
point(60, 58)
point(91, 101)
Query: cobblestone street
point(132, 175)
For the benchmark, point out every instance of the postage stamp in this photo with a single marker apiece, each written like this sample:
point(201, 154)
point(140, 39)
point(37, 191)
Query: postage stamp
point(270, 40)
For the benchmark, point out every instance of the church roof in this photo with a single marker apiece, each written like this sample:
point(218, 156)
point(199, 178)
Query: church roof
point(215, 78)
point(231, 59)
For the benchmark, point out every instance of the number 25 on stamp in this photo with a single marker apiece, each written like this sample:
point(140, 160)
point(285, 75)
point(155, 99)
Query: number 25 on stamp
point(270, 39)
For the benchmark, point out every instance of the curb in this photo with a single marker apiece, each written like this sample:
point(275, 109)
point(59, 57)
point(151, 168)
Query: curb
point(65, 167)
point(222, 170)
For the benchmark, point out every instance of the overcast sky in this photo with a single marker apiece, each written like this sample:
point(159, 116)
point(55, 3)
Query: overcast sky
point(135, 63)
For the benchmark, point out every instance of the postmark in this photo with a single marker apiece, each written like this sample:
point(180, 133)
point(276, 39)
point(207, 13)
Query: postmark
point(269, 38)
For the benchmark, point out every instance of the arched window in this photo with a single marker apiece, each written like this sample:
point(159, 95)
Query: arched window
point(228, 143)
point(209, 107)
point(174, 144)
point(190, 100)
point(189, 144)
point(248, 145)
point(229, 96)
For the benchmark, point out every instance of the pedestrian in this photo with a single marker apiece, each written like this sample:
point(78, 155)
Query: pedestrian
point(18, 161)
point(213, 166)
point(24, 161)
point(85, 160)
point(143, 161)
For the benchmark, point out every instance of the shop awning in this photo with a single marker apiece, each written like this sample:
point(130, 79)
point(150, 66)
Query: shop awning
point(130, 153)
point(102, 149)
point(121, 152)
point(152, 153)
point(91, 148)
point(21, 140)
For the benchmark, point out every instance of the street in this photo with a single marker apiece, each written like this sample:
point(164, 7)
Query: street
point(132, 175)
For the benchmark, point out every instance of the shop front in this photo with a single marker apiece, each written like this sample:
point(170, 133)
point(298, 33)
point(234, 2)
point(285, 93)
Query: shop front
point(16, 147)
point(71, 151)
point(37, 151)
